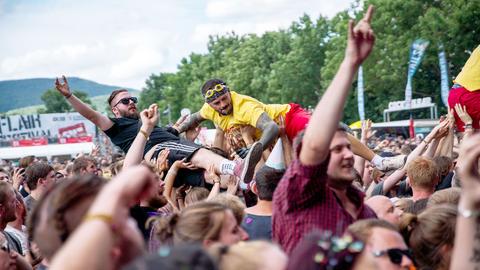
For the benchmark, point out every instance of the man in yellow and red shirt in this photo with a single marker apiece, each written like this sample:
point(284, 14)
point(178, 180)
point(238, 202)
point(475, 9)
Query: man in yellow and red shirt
point(228, 109)
point(466, 91)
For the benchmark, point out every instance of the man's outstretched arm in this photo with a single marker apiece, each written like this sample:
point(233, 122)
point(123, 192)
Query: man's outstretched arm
point(191, 122)
point(324, 121)
point(100, 120)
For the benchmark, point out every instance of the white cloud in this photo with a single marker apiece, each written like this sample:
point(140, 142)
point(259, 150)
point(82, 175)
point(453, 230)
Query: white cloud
point(122, 42)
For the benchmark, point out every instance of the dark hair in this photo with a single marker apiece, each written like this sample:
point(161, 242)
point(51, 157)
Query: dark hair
point(267, 179)
point(24, 162)
point(82, 163)
point(444, 165)
point(4, 187)
point(114, 94)
point(36, 171)
point(211, 83)
point(183, 256)
point(58, 201)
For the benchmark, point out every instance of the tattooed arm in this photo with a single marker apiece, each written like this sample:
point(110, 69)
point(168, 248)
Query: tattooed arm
point(269, 130)
point(191, 122)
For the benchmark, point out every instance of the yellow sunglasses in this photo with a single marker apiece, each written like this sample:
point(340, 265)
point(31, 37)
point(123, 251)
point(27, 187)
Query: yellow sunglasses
point(216, 88)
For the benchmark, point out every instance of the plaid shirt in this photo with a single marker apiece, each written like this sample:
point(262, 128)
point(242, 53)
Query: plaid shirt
point(303, 202)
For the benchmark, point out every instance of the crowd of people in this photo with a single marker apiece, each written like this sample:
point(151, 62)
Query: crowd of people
point(280, 188)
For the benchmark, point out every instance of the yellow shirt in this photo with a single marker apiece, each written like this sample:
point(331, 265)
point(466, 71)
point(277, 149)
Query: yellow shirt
point(246, 111)
point(469, 77)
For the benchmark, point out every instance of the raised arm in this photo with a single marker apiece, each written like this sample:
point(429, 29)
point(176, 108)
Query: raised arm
point(149, 121)
point(100, 120)
point(191, 122)
point(329, 110)
point(393, 179)
point(466, 248)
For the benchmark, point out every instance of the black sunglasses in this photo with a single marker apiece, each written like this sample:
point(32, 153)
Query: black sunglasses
point(394, 254)
point(126, 101)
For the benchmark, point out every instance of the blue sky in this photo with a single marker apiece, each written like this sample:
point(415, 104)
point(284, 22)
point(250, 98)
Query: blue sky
point(122, 42)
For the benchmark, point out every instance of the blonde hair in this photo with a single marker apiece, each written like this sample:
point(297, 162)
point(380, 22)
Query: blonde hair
point(449, 195)
point(243, 255)
point(196, 194)
point(403, 203)
point(194, 224)
point(232, 202)
point(423, 173)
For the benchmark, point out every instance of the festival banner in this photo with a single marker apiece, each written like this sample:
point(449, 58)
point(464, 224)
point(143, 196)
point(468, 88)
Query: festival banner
point(52, 125)
point(360, 98)
point(444, 87)
point(416, 55)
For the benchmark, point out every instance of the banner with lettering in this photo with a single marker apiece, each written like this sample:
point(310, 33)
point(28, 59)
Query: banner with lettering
point(444, 87)
point(52, 125)
point(360, 98)
point(417, 51)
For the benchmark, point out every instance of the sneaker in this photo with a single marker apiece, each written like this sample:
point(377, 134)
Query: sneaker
point(392, 163)
point(245, 168)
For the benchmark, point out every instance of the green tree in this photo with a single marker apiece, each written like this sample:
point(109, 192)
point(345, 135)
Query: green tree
point(56, 103)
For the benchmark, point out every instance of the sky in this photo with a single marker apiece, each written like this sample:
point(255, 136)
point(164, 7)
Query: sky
point(122, 42)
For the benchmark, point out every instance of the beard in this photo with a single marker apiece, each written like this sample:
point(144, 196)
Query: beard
point(157, 201)
point(132, 115)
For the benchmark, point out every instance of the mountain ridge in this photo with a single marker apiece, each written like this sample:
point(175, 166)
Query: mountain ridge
point(27, 92)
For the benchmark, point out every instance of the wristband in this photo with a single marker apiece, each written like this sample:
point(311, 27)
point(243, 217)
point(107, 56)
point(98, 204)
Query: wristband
point(425, 141)
point(107, 219)
point(467, 126)
point(145, 134)
point(69, 95)
point(466, 213)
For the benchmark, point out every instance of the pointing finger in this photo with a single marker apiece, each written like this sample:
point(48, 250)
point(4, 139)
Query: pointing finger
point(369, 14)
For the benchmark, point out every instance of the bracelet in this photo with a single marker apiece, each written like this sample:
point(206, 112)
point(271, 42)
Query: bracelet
point(467, 126)
point(103, 217)
point(69, 95)
point(145, 134)
point(468, 213)
point(425, 141)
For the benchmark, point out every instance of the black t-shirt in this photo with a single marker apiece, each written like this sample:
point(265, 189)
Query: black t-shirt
point(124, 131)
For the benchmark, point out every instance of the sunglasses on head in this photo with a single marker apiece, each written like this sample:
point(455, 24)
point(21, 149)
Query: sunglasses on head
point(216, 88)
point(126, 101)
point(394, 254)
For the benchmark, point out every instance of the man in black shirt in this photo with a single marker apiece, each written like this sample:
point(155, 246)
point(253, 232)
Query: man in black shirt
point(124, 127)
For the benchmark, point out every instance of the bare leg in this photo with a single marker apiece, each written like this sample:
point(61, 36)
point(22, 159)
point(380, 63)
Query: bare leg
point(203, 158)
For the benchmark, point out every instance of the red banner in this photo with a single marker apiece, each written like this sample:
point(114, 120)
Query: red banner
point(80, 139)
point(30, 142)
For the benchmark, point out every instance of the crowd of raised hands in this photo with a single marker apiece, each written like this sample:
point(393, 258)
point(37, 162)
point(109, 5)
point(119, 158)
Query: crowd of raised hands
point(145, 213)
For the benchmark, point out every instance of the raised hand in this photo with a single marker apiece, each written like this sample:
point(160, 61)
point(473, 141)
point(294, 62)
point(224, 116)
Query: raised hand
point(63, 88)
point(149, 118)
point(468, 169)
point(182, 164)
point(211, 176)
point(18, 177)
point(360, 39)
point(463, 114)
point(179, 122)
point(161, 163)
point(192, 133)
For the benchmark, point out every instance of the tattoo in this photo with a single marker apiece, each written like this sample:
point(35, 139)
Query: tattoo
point(192, 121)
point(269, 130)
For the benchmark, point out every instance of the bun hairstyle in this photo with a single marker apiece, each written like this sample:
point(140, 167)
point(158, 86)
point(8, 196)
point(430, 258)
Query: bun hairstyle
point(428, 233)
point(194, 224)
